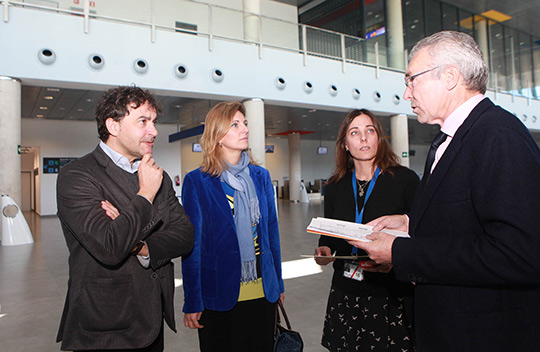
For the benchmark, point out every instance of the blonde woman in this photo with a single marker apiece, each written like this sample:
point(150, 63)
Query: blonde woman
point(232, 279)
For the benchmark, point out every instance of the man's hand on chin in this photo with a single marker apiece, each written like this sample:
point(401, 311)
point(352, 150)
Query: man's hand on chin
point(150, 177)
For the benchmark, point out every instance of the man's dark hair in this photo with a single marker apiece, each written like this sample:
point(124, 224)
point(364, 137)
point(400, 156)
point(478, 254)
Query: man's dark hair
point(118, 102)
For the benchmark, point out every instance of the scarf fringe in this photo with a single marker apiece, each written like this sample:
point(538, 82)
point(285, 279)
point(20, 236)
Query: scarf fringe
point(254, 211)
point(249, 271)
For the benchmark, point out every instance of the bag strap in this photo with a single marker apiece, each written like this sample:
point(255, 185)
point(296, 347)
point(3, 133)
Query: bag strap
point(279, 307)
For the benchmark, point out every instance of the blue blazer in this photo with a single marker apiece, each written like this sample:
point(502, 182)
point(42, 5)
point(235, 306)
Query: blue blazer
point(211, 272)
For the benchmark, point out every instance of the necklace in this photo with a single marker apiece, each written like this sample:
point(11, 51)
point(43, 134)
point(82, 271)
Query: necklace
point(361, 187)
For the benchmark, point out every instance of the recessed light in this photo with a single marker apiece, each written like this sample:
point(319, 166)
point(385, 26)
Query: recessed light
point(80, 110)
point(89, 100)
point(39, 116)
point(48, 97)
point(312, 110)
point(53, 89)
point(43, 108)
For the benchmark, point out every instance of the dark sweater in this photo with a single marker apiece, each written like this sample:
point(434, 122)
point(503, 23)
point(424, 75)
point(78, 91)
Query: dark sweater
point(392, 194)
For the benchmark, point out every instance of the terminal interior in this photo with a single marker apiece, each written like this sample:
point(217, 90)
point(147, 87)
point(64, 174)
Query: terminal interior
point(57, 101)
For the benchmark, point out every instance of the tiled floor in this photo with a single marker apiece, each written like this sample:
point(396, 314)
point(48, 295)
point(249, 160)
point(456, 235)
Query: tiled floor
point(33, 280)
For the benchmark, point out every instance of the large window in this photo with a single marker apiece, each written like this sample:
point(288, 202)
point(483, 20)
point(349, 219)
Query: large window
point(536, 64)
point(525, 64)
point(449, 17)
point(413, 22)
point(433, 16)
point(513, 57)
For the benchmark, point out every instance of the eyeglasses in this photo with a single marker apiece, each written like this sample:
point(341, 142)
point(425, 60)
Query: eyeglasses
point(409, 80)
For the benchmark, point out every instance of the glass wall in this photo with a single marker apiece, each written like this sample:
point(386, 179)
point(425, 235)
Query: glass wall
point(512, 56)
point(413, 22)
point(536, 64)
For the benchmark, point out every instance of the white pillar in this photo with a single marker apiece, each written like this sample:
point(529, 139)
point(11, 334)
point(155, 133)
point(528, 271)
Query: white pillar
point(10, 138)
point(295, 167)
point(482, 37)
point(252, 10)
point(396, 46)
point(255, 117)
point(400, 137)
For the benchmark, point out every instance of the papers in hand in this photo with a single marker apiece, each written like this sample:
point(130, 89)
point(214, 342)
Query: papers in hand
point(354, 257)
point(346, 229)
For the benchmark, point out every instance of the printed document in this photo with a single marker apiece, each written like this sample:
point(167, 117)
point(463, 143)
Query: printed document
point(346, 229)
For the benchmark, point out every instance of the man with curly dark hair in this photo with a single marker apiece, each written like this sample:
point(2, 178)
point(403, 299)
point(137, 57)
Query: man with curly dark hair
point(123, 224)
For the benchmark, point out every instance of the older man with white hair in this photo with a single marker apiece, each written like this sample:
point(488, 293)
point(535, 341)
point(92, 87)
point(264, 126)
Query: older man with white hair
point(474, 251)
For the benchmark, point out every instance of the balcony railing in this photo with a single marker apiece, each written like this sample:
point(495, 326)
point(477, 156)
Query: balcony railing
point(217, 22)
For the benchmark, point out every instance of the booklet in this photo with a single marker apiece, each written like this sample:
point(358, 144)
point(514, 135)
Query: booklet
point(346, 229)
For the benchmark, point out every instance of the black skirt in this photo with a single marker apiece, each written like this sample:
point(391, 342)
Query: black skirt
point(366, 323)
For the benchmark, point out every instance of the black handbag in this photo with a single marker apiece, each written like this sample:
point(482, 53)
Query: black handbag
point(285, 339)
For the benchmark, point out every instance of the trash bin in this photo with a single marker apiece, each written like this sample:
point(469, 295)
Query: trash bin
point(15, 230)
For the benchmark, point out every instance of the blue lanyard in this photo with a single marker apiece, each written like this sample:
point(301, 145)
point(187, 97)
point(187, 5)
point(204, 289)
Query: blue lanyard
point(360, 215)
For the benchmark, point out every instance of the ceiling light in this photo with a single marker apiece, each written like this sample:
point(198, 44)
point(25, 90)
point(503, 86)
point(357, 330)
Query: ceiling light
point(53, 89)
point(43, 108)
point(80, 110)
point(39, 116)
point(89, 100)
point(48, 97)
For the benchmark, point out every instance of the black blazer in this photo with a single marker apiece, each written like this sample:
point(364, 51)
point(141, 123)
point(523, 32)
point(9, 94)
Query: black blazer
point(475, 247)
point(112, 301)
point(392, 194)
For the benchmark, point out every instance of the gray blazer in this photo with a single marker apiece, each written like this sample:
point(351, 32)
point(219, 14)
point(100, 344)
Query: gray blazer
point(113, 302)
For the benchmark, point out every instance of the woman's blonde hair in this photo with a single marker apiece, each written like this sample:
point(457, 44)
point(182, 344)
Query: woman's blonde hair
point(217, 124)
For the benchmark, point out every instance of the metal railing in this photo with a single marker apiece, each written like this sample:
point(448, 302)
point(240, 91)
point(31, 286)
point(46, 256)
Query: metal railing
point(208, 18)
point(301, 38)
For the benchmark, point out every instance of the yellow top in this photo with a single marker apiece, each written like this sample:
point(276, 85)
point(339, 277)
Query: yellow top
point(253, 289)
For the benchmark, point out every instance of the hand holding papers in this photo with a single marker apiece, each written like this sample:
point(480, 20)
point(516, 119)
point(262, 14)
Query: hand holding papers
point(346, 229)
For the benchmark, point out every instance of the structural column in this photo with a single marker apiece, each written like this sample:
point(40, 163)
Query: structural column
point(257, 140)
point(396, 45)
point(10, 137)
point(400, 137)
point(295, 167)
point(482, 36)
point(252, 10)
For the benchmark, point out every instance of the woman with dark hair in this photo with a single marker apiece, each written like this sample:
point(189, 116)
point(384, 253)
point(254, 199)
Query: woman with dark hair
point(232, 279)
point(366, 306)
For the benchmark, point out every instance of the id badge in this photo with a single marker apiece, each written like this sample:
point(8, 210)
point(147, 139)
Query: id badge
point(353, 271)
